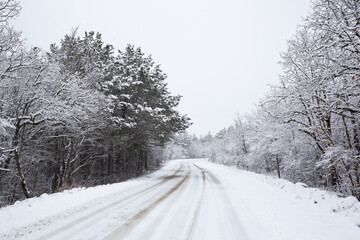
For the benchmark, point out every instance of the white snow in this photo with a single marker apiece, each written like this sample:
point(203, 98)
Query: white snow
point(202, 200)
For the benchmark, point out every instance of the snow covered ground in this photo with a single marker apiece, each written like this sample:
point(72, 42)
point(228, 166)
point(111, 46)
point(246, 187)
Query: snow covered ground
point(186, 199)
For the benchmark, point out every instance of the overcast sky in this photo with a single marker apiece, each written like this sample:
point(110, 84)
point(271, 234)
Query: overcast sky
point(220, 55)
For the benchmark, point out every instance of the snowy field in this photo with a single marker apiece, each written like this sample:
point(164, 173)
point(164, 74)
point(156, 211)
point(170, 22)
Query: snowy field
point(186, 199)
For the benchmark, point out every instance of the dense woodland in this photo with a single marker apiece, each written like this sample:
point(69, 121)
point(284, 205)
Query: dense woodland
point(79, 114)
point(307, 127)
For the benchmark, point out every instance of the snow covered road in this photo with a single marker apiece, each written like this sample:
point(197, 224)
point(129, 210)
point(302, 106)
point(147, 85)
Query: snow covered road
point(186, 199)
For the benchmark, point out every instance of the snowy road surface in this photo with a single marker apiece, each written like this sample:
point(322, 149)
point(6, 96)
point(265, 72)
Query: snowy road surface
point(186, 199)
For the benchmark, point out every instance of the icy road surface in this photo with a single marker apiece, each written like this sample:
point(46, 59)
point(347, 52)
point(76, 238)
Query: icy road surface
point(186, 199)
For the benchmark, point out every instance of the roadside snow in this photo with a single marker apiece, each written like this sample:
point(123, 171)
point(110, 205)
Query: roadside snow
point(293, 211)
point(348, 207)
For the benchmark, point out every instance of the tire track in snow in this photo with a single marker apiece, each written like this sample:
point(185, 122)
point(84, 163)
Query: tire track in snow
point(235, 229)
point(172, 218)
point(190, 232)
point(78, 221)
point(168, 216)
point(125, 228)
point(214, 179)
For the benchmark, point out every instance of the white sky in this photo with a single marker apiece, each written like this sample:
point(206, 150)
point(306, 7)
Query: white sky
point(218, 54)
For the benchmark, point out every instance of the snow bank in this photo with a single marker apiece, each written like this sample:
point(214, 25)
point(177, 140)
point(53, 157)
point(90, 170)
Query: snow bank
point(298, 193)
point(345, 206)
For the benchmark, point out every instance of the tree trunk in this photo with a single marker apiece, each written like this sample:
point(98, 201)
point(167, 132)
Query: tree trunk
point(278, 165)
point(24, 188)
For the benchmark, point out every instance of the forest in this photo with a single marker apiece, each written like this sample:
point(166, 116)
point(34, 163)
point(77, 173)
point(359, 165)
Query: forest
point(78, 114)
point(306, 129)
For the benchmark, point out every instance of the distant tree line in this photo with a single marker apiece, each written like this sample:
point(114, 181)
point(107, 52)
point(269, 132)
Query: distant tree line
point(307, 127)
point(80, 114)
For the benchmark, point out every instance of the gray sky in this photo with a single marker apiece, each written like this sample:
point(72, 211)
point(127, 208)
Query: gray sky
point(220, 55)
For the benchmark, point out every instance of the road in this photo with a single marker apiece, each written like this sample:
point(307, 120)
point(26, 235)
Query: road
point(189, 199)
point(186, 202)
